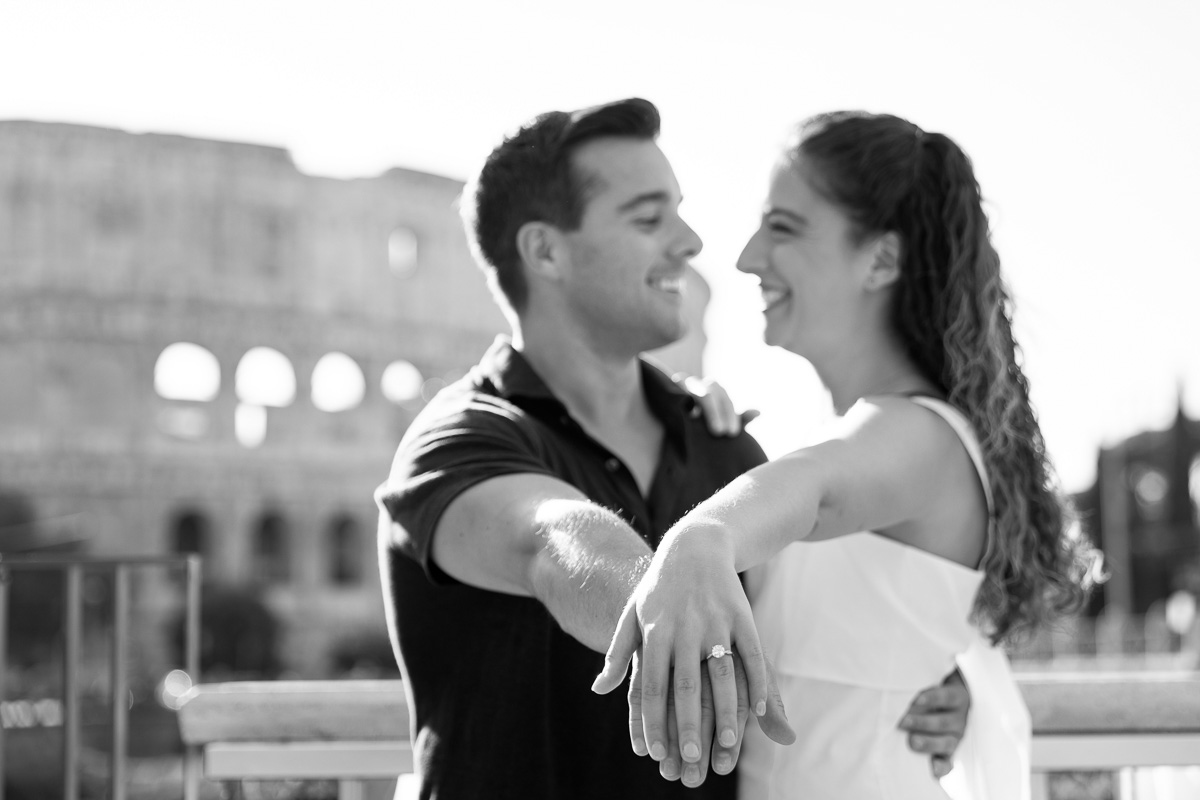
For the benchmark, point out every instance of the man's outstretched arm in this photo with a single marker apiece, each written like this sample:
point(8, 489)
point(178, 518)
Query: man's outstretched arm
point(535, 536)
point(532, 535)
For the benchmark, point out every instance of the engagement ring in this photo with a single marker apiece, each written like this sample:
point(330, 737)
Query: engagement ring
point(719, 651)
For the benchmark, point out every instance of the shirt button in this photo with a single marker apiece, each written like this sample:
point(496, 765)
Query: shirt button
point(612, 465)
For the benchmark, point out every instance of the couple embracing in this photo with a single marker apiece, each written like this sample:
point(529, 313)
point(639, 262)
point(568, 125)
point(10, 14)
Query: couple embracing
point(566, 499)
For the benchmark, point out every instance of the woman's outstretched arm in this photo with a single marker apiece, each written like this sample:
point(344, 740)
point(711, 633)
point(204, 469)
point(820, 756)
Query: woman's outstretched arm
point(891, 465)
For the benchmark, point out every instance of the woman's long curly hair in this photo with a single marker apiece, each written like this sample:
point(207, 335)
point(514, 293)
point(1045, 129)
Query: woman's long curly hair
point(953, 313)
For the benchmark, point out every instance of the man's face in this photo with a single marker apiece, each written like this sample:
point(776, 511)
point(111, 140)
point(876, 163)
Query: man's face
point(624, 280)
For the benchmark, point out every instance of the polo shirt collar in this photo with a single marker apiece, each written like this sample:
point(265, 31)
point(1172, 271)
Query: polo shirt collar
point(514, 377)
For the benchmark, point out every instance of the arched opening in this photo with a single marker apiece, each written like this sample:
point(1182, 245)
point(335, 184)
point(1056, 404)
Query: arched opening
point(186, 371)
point(265, 377)
point(270, 553)
point(401, 382)
point(345, 551)
point(190, 533)
point(337, 383)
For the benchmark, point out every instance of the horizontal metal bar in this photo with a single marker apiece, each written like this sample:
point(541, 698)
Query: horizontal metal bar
point(51, 562)
point(293, 760)
point(1064, 753)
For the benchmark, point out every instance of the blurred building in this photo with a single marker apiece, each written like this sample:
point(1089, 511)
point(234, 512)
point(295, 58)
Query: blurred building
point(1144, 512)
point(203, 349)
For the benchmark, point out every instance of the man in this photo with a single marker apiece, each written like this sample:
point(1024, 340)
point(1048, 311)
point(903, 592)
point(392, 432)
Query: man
point(525, 499)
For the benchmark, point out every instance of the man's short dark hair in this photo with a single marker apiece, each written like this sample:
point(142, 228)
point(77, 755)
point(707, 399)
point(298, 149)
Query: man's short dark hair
point(529, 177)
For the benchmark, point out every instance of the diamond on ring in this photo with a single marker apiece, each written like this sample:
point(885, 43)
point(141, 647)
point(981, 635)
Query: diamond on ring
point(719, 651)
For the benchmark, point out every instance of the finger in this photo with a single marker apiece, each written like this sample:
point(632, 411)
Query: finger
point(694, 774)
point(941, 766)
point(671, 765)
point(636, 736)
point(746, 642)
point(722, 408)
point(947, 697)
point(687, 699)
point(934, 722)
point(656, 689)
point(724, 699)
point(943, 746)
point(775, 723)
point(724, 758)
point(749, 415)
point(624, 643)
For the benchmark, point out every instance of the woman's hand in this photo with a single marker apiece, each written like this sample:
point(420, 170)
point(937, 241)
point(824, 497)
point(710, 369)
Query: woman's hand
point(689, 601)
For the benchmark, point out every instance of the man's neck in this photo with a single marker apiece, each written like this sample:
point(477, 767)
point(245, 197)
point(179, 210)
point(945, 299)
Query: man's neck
point(599, 389)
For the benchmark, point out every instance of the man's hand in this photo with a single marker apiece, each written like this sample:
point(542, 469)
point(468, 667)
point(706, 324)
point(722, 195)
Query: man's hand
point(716, 405)
point(936, 721)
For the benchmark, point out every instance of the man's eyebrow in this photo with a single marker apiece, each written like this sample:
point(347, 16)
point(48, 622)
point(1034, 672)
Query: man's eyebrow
point(645, 197)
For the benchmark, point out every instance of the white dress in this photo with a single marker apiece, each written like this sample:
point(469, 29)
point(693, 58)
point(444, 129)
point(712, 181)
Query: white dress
point(856, 627)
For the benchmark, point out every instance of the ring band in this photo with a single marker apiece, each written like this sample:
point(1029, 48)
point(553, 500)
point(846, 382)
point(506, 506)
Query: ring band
point(719, 651)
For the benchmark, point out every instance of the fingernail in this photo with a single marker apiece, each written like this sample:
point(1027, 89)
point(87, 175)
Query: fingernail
point(721, 763)
point(906, 722)
point(669, 769)
point(728, 738)
point(691, 774)
point(657, 751)
point(918, 741)
point(760, 707)
point(639, 746)
point(691, 751)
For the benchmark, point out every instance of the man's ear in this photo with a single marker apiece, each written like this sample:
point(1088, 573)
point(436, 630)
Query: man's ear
point(885, 267)
point(541, 248)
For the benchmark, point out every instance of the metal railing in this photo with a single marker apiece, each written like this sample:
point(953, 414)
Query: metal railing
point(355, 731)
point(73, 569)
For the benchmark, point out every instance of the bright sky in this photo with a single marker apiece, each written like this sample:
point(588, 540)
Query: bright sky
point(1082, 117)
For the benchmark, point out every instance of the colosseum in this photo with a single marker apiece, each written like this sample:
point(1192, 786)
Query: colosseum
point(205, 349)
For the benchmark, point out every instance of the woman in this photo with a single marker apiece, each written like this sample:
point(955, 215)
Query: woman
point(928, 514)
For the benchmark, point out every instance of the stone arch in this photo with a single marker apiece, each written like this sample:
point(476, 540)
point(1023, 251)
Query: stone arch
point(401, 382)
point(191, 532)
point(337, 383)
point(344, 544)
point(187, 371)
point(270, 549)
point(265, 377)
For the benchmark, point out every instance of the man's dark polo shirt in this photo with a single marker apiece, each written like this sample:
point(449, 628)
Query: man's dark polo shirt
point(500, 695)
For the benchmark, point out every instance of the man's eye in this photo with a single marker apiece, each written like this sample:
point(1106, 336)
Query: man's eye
point(648, 222)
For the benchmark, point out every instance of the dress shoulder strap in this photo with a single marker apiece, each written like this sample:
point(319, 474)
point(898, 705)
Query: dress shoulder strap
point(966, 433)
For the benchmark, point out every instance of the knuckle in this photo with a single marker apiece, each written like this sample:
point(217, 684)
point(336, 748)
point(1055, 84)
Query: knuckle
point(723, 667)
point(652, 690)
point(685, 686)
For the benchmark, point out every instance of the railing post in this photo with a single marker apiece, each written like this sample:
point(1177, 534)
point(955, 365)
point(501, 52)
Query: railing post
point(120, 686)
point(191, 753)
point(72, 639)
point(4, 578)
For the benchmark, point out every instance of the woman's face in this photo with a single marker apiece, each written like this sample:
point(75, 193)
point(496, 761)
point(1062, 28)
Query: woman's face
point(809, 266)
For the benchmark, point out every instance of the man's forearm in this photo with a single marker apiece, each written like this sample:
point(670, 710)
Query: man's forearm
point(586, 568)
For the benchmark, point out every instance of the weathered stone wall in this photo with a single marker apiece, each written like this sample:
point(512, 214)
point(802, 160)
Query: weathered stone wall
point(115, 245)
